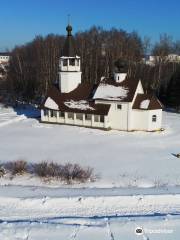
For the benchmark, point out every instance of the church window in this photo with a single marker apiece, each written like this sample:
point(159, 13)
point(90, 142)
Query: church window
point(45, 112)
point(54, 113)
point(96, 118)
point(119, 106)
point(65, 62)
point(61, 114)
point(101, 118)
point(154, 118)
point(79, 116)
point(88, 117)
point(71, 115)
point(51, 113)
point(72, 62)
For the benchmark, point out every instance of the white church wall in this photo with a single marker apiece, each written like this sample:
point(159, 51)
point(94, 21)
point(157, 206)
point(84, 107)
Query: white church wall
point(155, 125)
point(142, 120)
point(119, 77)
point(68, 81)
point(118, 116)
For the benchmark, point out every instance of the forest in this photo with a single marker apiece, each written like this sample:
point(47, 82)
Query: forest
point(34, 66)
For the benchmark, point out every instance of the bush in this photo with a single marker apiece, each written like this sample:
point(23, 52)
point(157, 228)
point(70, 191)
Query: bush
point(68, 172)
point(17, 167)
point(74, 172)
point(41, 169)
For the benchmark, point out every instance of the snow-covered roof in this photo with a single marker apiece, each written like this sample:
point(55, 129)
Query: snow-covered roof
point(82, 104)
point(50, 103)
point(78, 101)
point(110, 92)
point(64, 57)
point(145, 104)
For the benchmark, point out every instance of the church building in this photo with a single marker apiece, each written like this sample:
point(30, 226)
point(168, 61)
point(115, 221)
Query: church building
point(117, 102)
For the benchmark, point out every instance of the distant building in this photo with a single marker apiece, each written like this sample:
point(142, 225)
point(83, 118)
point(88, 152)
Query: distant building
point(118, 102)
point(4, 57)
point(4, 62)
point(153, 60)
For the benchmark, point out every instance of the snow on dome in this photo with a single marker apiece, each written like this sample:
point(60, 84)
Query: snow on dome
point(145, 104)
point(110, 92)
point(51, 104)
point(82, 104)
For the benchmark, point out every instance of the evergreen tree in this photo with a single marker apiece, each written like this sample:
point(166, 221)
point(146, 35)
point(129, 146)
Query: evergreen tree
point(173, 90)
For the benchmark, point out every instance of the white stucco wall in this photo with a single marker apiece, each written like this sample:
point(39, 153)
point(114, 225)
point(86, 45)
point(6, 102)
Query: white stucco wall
point(4, 59)
point(155, 125)
point(117, 118)
point(142, 120)
point(68, 81)
point(119, 77)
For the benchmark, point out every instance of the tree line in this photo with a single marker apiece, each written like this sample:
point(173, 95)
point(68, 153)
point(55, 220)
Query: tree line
point(34, 66)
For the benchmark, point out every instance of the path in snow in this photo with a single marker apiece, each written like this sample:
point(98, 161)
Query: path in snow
point(19, 208)
point(104, 229)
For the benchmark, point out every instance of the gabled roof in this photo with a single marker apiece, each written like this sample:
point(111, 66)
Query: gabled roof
point(78, 100)
point(152, 104)
point(110, 90)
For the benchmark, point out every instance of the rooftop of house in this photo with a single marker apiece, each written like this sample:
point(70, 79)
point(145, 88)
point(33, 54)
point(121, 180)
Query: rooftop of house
point(5, 54)
point(108, 89)
point(146, 102)
point(78, 100)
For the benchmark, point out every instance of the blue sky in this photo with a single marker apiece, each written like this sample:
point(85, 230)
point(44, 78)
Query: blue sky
point(22, 20)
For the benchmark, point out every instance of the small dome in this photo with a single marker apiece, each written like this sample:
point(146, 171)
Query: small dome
point(120, 66)
point(69, 29)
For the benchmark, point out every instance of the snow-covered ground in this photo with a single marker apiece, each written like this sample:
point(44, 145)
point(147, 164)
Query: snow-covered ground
point(90, 229)
point(138, 181)
point(120, 159)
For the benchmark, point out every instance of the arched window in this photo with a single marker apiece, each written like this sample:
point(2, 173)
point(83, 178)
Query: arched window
point(154, 118)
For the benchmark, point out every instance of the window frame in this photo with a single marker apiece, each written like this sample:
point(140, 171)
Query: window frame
point(65, 62)
point(51, 113)
point(102, 118)
point(119, 105)
point(70, 114)
point(61, 114)
point(46, 112)
point(154, 118)
point(88, 117)
point(72, 62)
point(79, 116)
point(96, 118)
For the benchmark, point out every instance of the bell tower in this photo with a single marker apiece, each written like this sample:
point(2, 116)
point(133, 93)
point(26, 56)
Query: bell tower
point(69, 65)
